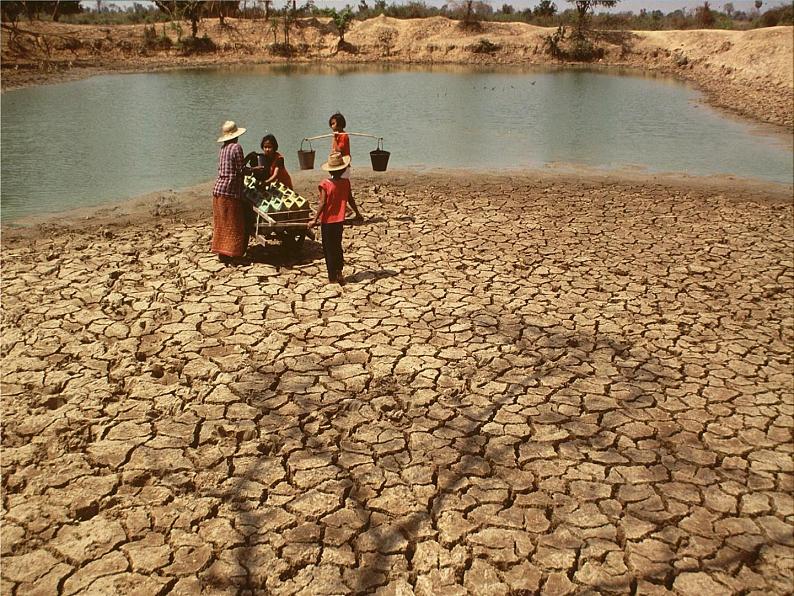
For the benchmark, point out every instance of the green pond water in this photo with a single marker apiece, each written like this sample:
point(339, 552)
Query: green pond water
point(110, 137)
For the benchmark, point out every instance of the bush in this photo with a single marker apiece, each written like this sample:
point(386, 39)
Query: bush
point(280, 49)
point(196, 45)
point(386, 37)
point(552, 43)
point(152, 41)
point(583, 50)
point(484, 46)
point(783, 15)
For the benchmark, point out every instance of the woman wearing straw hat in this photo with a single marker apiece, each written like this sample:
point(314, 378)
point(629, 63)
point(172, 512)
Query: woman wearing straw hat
point(334, 195)
point(229, 210)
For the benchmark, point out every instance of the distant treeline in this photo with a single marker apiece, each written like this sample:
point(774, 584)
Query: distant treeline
point(546, 13)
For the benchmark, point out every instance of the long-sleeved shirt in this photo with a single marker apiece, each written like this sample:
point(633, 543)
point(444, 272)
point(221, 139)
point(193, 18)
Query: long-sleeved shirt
point(230, 172)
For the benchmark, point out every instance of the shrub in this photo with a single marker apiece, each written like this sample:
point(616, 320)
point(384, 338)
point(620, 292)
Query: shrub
point(386, 37)
point(484, 46)
point(783, 15)
point(552, 43)
point(152, 41)
point(280, 49)
point(583, 50)
point(196, 45)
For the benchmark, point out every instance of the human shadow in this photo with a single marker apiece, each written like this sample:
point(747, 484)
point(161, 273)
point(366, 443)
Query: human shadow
point(334, 429)
point(284, 255)
point(565, 412)
point(370, 275)
point(366, 221)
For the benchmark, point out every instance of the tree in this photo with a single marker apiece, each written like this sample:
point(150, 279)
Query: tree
point(190, 10)
point(287, 23)
point(583, 10)
point(728, 8)
point(342, 21)
point(507, 9)
point(65, 7)
point(704, 15)
point(545, 8)
point(471, 9)
point(386, 37)
point(221, 9)
point(10, 11)
point(469, 12)
point(266, 4)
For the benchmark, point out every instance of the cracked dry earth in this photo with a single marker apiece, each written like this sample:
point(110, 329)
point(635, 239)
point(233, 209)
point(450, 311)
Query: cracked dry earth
point(527, 386)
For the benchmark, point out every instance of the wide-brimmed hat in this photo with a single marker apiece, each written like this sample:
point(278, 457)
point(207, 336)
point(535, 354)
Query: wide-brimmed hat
point(230, 131)
point(336, 161)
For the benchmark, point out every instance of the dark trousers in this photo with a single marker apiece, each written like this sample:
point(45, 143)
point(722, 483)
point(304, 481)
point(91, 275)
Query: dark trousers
point(332, 249)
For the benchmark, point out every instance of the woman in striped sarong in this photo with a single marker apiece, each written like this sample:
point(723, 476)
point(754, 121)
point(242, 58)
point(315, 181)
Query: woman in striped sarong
point(229, 209)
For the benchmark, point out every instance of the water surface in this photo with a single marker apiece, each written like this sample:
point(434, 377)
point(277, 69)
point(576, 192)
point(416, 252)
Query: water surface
point(116, 136)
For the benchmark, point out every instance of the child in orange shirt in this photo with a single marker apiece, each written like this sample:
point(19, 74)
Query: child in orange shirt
point(341, 143)
point(335, 193)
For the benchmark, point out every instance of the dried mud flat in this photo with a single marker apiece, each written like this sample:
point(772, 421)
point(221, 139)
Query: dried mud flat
point(530, 384)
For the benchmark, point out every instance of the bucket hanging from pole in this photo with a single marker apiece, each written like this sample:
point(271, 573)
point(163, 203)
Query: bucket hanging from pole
point(306, 158)
point(379, 157)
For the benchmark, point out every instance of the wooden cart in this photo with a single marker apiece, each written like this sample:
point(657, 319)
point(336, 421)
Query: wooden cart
point(286, 225)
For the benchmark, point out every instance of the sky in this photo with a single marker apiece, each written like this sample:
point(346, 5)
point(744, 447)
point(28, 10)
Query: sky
point(624, 5)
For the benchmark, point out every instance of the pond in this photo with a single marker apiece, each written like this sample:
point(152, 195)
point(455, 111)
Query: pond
point(116, 136)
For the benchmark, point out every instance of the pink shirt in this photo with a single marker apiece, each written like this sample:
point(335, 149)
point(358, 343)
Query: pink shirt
point(337, 193)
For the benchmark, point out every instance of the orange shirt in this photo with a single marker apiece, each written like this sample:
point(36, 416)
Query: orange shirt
point(337, 193)
point(341, 143)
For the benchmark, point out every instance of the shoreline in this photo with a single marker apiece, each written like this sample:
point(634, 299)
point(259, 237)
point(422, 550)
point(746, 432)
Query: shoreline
point(194, 201)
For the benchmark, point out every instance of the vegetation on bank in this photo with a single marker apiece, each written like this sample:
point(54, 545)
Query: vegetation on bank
point(582, 33)
point(546, 13)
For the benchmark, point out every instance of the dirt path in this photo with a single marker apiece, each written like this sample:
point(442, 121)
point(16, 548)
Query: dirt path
point(573, 384)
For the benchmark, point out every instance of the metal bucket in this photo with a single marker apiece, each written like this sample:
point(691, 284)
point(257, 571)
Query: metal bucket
point(306, 158)
point(379, 157)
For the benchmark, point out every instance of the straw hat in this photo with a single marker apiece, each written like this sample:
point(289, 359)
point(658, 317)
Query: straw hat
point(230, 131)
point(336, 161)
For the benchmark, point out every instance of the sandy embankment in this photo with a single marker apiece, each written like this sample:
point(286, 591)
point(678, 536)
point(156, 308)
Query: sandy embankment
point(747, 72)
point(543, 380)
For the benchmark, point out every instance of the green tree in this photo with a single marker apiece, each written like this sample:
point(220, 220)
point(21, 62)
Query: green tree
point(342, 21)
point(545, 8)
point(584, 8)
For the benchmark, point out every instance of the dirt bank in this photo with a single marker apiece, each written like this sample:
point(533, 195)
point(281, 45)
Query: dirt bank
point(748, 72)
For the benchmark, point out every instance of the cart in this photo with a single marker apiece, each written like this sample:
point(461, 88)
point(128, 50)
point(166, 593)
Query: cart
point(279, 214)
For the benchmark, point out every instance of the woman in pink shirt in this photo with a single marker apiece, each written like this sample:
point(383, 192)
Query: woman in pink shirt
point(335, 192)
